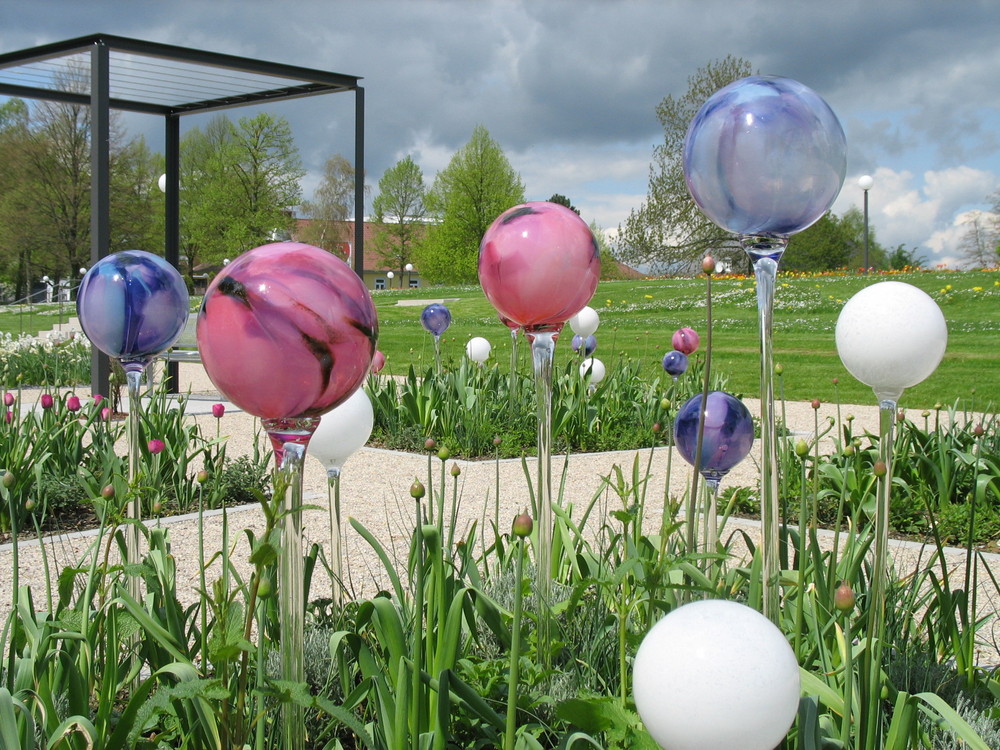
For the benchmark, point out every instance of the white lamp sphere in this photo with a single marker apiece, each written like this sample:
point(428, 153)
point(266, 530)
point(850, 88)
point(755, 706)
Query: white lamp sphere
point(478, 349)
point(716, 675)
point(585, 322)
point(865, 182)
point(409, 267)
point(891, 336)
point(162, 183)
point(596, 369)
point(342, 431)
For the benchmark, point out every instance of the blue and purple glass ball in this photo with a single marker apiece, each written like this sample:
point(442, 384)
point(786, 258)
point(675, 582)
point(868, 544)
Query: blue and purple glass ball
point(588, 344)
point(132, 305)
point(765, 156)
point(675, 363)
point(436, 318)
point(728, 433)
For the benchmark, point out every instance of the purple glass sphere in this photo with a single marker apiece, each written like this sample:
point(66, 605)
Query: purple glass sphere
point(728, 433)
point(589, 344)
point(436, 318)
point(765, 156)
point(675, 363)
point(132, 305)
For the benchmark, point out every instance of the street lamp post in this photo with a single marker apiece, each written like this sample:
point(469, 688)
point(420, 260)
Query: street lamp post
point(409, 275)
point(865, 182)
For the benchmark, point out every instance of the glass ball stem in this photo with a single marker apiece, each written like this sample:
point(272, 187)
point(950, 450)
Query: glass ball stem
point(543, 345)
point(512, 390)
point(336, 536)
point(870, 719)
point(133, 380)
point(765, 253)
point(289, 438)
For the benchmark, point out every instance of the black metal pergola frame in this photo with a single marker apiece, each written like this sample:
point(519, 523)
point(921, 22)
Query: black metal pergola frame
point(169, 81)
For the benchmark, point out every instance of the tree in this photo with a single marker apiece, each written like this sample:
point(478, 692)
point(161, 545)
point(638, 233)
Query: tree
point(903, 258)
point(668, 232)
point(477, 186)
point(333, 205)
point(979, 242)
point(400, 211)
point(834, 242)
point(239, 183)
point(562, 200)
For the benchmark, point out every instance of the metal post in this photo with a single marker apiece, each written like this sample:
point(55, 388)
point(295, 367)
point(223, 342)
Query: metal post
point(171, 217)
point(866, 231)
point(359, 182)
point(100, 187)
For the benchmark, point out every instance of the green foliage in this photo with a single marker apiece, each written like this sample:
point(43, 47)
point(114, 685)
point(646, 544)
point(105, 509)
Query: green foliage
point(333, 203)
point(399, 209)
point(834, 242)
point(477, 186)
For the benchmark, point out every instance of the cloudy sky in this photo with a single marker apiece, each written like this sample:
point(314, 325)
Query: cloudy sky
point(569, 89)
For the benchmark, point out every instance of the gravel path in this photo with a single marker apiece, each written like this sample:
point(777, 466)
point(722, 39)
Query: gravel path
point(375, 492)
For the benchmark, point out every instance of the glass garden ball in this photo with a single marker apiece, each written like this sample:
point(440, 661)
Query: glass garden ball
point(728, 433)
point(539, 265)
point(891, 336)
point(765, 156)
point(716, 675)
point(478, 349)
point(686, 340)
point(287, 330)
point(436, 318)
point(594, 368)
point(675, 363)
point(133, 305)
point(342, 431)
point(585, 322)
point(588, 344)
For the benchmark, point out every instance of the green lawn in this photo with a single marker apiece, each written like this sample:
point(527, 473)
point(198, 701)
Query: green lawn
point(638, 318)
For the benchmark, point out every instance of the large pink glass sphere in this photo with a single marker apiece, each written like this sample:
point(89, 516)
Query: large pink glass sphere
point(287, 330)
point(539, 265)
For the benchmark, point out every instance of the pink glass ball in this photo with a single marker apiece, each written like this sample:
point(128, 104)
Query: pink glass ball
point(287, 330)
point(539, 265)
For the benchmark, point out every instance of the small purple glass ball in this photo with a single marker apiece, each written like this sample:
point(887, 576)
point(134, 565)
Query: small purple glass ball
point(436, 318)
point(588, 344)
point(132, 305)
point(675, 363)
point(728, 433)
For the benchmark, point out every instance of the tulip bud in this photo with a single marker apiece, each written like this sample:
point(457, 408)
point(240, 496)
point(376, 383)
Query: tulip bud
point(497, 441)
point(218, 410)
point(455, 471)
point(843, 598)
point(978, 430)
point(900, 416)
point(835, 381)
point(429, 444)
point(815, 403)
point(157, 507)
point(8, 417)
point(443, 453)
point(201, 476)
point(656, 428)
point(665, 404)
point(801, 448)
point(849, 449)
point(417, 490)
point(778, 369)
point(925, 413)
point(265, 589)
point(522, 525)
point(8, 399)
point(708, 264)
point(849, 418)
point(8, 479)
point(47, 401)
point(73, 403)
point(108, 491)
point(106, 413)
point(29, 504)
point(879, 469)
point(156, 446)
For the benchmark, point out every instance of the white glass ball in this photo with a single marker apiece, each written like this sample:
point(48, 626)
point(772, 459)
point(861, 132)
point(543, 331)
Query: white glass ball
point(478, 349)
point(585, 322)
point(595, 368)
point(716, 675)
point(342, 431)
point(891, 336)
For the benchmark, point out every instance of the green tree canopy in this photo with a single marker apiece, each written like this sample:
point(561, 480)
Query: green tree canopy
point(477, 186)
point(668, 232)
point(400, 212)
point(834, 242)
point(333, 204)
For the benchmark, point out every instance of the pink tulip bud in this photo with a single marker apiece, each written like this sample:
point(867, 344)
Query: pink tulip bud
point(156, 446)
point(106, 413)
point(98, 398)
point(73, 403)
point(9, 416)
point(218, 410)
point(686, 340)
point(47, 401)
point(8, 399)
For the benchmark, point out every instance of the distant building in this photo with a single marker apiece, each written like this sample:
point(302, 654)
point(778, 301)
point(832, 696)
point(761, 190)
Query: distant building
point(375, 276)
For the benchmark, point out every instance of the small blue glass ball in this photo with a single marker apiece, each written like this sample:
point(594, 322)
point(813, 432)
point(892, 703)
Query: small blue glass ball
point(765, 156)
point(675, 363)
point(588, 344)
point(132, 306)
point(728, 433)
point(436, 318)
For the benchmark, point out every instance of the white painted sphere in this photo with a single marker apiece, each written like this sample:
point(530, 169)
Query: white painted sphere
point(342, 431)
point(595, 368)
point(478, 349)
point(585, 322)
